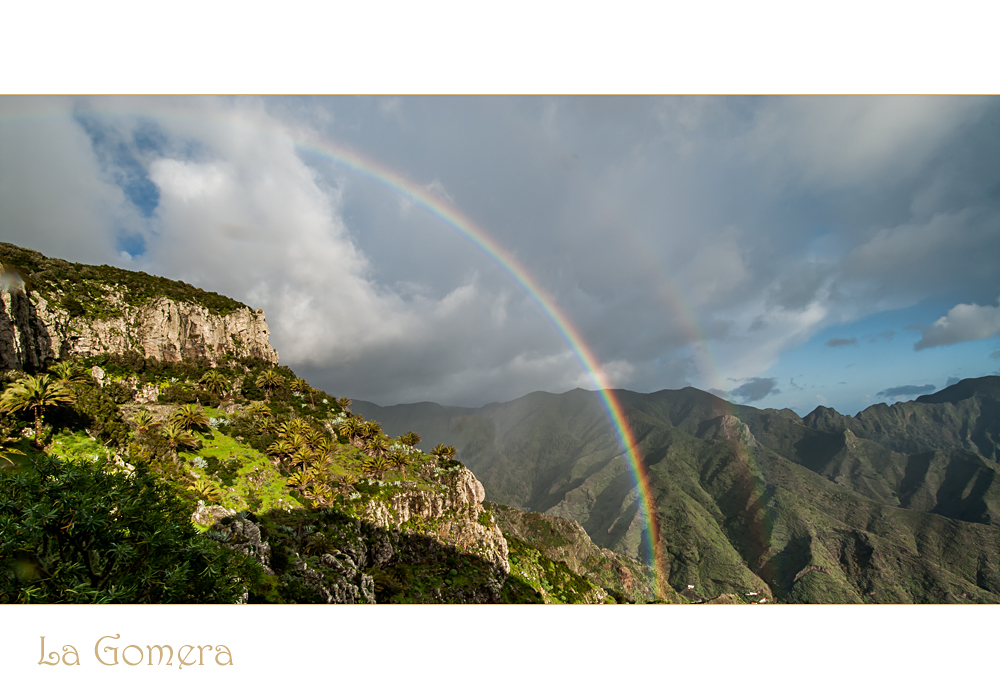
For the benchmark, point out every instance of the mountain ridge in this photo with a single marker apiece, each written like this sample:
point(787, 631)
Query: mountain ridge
point(746, 495)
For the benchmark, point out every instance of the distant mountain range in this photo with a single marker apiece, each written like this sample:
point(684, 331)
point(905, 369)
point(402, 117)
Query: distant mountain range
point(896, 504)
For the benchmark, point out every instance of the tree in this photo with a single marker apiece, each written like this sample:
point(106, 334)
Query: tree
point(378, 444)
point(296, 426)
point(351, 429)
point(370, 429)
point(69, 372)
point(145, 421)
point(443, 452)
point(177, 438)
point(190, 417)
point(269, 380)
point(258, 410)
point(344, 403)
point(80, 532)
point(302, 386)
point(376, 466)
point(410, 439)
point(215, 382)
point(398, 459)
point(35, 394)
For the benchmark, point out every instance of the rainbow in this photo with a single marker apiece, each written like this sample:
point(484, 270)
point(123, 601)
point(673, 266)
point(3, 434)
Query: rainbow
point(450, 215)
point(455, 219)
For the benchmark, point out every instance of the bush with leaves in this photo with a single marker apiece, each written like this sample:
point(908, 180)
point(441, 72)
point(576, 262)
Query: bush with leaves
point(76, 532)
point(186, 393)
point(103, 418)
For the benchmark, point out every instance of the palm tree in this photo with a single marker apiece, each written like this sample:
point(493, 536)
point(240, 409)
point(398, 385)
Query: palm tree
point(344, 402)
point(377, 444)
point(214, 382)
point(376, 466)
point(296, 426)
point(302, 457)
point(302, 386)
point(35, 394)
point(258, 409)
point(144, 421)
point(410, 439)
point(398, 459)
point(190, 416)
point(279, 448)
point(443, 452)
point(326, 450)
point(370, 429)
point(178, 438)
point(268, 380)
point(300, 479)
point(69, 372)
point(350, 429)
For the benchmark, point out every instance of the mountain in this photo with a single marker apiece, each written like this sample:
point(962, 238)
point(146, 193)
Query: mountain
point(896, 504)
point(965, 415)
point(152, 450)
point(50, 307)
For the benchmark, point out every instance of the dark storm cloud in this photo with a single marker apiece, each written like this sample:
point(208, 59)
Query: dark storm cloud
point(840, 342)
point(656, 225)
point(756, 389)
point(908, 390)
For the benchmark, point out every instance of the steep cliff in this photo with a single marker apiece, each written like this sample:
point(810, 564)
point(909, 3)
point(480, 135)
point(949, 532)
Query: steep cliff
point(50, 308)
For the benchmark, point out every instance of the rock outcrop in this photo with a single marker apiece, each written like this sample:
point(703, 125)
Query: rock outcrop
point(25, 341)
point(454, 516)
point(32, 332)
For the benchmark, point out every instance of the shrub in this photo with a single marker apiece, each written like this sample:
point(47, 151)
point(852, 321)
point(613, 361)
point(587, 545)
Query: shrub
point(118, 392)
point(101, 414)
point(75, 532)
point(185, 393)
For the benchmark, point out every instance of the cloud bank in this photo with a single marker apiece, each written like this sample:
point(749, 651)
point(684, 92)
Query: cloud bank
point(690, 240)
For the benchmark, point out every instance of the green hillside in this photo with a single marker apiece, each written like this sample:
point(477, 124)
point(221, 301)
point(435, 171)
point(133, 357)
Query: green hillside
point(239, 483)
point(822, 509)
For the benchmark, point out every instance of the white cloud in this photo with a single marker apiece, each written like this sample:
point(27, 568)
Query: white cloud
point(54, 197)
point(962, 323)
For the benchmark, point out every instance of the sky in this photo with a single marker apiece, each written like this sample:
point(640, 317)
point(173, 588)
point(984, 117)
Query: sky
point(779, 251)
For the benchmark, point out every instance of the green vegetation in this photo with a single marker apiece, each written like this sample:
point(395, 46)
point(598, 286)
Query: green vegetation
point(88, 290)
point(257, 456)
point(89, 532)
point(564, 541)
point(34, 395)
point(897, 504)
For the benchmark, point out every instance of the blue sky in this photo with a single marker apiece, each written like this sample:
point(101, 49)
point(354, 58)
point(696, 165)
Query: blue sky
point(782, 251)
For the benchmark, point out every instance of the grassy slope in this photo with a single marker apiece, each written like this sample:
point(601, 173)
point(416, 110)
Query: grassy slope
point(242, 478)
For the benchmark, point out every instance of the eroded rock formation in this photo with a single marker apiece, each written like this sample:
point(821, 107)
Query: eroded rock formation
point(33, 333)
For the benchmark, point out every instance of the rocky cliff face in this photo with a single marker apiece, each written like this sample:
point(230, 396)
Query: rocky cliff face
point(25, 342)
point(454, 516)
point(32, 332)
point(438, 544)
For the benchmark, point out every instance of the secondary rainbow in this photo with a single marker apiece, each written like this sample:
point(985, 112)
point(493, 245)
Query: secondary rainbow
point(449, 214)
